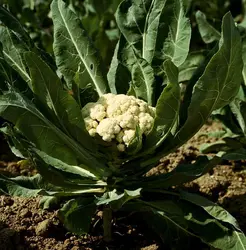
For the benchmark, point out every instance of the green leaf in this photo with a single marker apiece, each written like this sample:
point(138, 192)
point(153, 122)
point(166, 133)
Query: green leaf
point(210, 230)
point(139, 22)
point(208, 33)
point(13, 50)
point(225, 68)
point(74, 51)
point(119, 76)
point(167, 108)
point(143, 80)
point(189, 67)
point(59, 103)
point(7, 75)
point(183, 114)
point(211, 208)
point(167, 220)
point(145, 25)
point(49, 202)
point(116, 200)
point(214, 147)
point(38, 185)
point(62, 166)
point(182, 173)
point(238, 108)
point(13, 139)
point(176, 46)
point(235, 155)
point(22, 186)
point(73, 180)
point(35, 127)
point(77, 214)
point(241, 241)
point(13, 24)
point(175, 220)
point(244, 56)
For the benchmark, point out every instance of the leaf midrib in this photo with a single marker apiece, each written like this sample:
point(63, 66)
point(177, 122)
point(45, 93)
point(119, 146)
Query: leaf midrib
point(76, 47)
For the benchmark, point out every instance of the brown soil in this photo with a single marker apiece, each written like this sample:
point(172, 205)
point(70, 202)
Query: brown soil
point(23, 225)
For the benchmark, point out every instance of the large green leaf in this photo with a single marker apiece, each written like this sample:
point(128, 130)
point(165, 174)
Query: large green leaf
point(36, 185)
point(63, 108)
point(175, 220)
point(143, 80)
point(62, 166)
point(119, 75)
point(235, 155)
point(219, 83)
point(191, 64)
point(176, 46)
point(167, 220)
point(167, 108)
point(6, 73)
point(208, 33)
point(15, 141)
point(22, 186)
point(210, 230)
point(139, 22)
point(13, 24)
point(13, 49)
point(182, 173)
point(211, 208)
point(116, 200)
point(74, 51)
point(155, 29)
point(77, 214)
point(31, 122)
point(238, 108)
point(244, 58)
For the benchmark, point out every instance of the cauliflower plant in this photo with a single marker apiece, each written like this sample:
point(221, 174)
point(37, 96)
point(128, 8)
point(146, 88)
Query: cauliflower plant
point(116, 117)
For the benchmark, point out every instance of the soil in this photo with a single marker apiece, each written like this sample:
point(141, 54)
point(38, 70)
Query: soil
point(23, 225)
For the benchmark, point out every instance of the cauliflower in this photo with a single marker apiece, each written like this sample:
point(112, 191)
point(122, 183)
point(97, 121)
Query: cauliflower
point(108, 128)
point(116, 117)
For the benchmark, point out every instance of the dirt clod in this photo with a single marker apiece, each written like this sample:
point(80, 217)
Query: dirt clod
point(42, 228)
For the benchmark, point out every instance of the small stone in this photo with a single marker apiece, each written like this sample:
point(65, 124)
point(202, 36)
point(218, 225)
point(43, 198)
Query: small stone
point(43, 227)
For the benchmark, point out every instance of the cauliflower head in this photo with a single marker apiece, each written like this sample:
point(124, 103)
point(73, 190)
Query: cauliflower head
point(116, 117)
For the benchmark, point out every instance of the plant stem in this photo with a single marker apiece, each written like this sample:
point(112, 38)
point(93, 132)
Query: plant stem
point(107, 225)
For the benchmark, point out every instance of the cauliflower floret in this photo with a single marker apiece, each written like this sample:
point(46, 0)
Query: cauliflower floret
point(108, 128)
point(98, 112)
point(92, 132)
point(95, 111)
point(90, 123)
point(121, 147)
point(119, 137)
point(146, 122)
point(127, 121)
point(134, 109)
point(128, 136)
